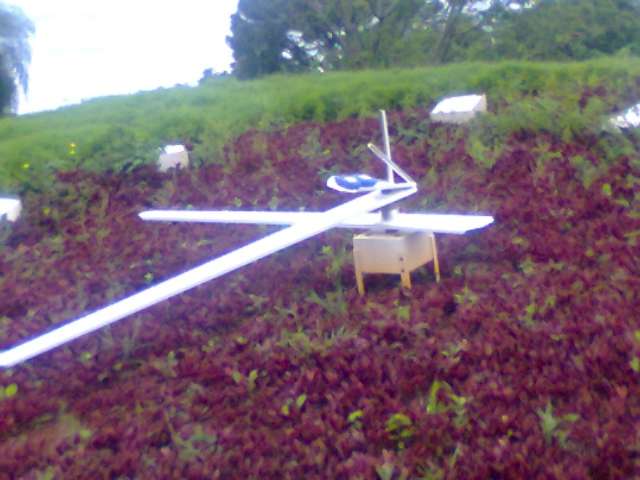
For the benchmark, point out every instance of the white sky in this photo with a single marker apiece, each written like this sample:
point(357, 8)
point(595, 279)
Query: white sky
point(90, 48)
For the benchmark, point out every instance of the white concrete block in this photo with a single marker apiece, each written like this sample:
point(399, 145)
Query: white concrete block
point(459, 109)
point(629, 118)
point(173, 156)
point(10, 209)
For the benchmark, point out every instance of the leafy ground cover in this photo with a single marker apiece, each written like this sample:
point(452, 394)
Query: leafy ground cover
point(524, 362)
point(124, 132)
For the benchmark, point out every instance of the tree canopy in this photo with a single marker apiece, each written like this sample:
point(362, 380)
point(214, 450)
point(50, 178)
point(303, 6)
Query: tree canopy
point(15, 55)
point(271, 36)
point(570, 30)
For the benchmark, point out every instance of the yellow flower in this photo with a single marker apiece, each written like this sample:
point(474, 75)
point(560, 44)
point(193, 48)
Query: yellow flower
point(72, 145)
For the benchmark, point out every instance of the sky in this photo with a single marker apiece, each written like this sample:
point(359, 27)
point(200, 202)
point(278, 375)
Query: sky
point(91, 48)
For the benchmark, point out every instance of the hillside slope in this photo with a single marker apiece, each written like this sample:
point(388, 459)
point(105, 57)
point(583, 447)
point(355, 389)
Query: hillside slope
point(121, 132)
point(523, 362)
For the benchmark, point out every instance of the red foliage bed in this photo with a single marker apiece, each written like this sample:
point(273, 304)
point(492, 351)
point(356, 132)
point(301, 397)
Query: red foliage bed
point(521, 363)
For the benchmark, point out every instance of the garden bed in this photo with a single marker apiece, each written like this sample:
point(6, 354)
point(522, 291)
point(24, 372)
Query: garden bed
point(523, 362)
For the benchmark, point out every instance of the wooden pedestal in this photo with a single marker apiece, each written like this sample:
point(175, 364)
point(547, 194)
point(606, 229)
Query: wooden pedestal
point(397, 253)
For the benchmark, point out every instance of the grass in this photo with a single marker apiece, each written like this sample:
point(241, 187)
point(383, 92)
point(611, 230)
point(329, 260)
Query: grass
point(124, 131)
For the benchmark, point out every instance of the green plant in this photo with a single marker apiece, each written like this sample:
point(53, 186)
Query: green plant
point(434, 406)
point(334, 303)
point(166, 365)
point(466, 297)
point(249, 381)
point(553, 426)
point(48, 473)
point(336, 260)
point(355, 419)
point(403, 312)
point(400, 428)
point(634, 363)
point(199, 445)
point(387, 470)
point(216, 112)
point(484, 152)
point(9, 391)
point(304, 344)
point(456, 403)
point(299, 403)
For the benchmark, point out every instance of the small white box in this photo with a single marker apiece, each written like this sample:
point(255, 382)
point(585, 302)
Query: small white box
point(459, 109)
point(398, 253)
point(173, 156)
point(629, 118)
point(10, 209)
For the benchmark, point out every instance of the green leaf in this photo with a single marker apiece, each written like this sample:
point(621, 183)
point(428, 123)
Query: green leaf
point(251, 381)
point(385, 471)
point(285, 409)
point(528, 266)
point(635, 364)
point(531, 309)
point(519, 241)
point(48, 474)
point(300, 400)
point(548, 422)
point(398, 421)
point(404, 312)
point(11, 390)
point(355, 415)
point(460, 401)
point(237, 376)
point(571, 417)
point(606, 189)
point(433, 405)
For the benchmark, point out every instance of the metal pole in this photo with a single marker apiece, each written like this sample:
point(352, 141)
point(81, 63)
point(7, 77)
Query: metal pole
point(387, 212)
point(386, 143)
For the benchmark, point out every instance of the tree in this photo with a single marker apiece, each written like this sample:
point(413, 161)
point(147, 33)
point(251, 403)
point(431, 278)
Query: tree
point(261, 40)
point(15, 55)
point(297, 35)
point(463, 25)
point(275, 35)
point(357, 33)
point(569, 30)
point(454, 11)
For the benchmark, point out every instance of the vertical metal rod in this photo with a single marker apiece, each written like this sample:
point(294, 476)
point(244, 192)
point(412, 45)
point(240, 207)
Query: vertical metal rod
point(436, 264)
point(387, 144)
point(387, 212)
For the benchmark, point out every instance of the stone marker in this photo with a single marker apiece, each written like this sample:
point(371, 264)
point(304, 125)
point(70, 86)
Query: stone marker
point(459, 109)
point(629, 118)
point(10, 209)
point(173, 156)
